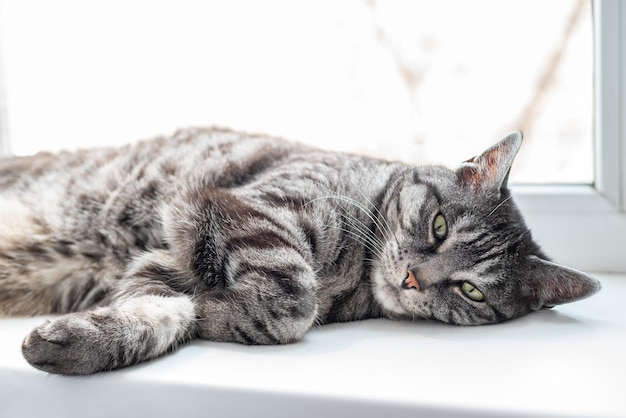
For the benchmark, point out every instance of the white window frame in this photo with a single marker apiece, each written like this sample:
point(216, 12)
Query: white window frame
point(579, 225)
point(5, 144)
point(585, 225)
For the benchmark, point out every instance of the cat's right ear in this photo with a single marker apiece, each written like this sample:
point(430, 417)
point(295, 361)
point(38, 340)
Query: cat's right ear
point(551, 284)
point(488, 172)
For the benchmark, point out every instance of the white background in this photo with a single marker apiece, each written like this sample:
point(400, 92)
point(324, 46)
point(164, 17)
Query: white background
point(407, 80)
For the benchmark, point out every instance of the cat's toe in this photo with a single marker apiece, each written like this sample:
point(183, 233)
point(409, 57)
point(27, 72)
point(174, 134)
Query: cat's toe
point(61, 347)
point(40, 353)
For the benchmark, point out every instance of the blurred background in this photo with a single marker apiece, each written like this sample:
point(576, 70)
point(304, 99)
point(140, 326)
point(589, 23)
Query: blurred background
point(419, 81)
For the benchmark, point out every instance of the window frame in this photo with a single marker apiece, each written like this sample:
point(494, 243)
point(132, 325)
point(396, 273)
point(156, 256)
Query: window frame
point(5, 144)
point(585, 225)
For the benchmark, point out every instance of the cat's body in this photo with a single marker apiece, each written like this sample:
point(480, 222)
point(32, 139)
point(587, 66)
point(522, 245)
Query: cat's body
point(87, 216)
point(233, 237)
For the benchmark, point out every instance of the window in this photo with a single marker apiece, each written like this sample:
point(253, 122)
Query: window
point(585, 226)
point(81, 74)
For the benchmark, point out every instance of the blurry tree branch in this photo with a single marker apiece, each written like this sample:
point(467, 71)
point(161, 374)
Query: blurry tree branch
point(525, 122)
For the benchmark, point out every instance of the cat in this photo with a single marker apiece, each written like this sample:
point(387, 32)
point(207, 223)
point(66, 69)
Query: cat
point(220, 235)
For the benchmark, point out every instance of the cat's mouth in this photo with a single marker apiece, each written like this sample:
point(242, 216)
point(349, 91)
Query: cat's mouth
point(388, 293)
point(398, 296)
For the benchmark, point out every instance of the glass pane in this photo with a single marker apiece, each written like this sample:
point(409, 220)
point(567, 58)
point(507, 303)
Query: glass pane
point(420, 81)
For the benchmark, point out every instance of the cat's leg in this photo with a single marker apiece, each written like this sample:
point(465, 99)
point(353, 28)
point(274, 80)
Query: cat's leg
point(111, 337)
point(272, 300)
point(266, 292)
point(147, 319)
point(266, 305)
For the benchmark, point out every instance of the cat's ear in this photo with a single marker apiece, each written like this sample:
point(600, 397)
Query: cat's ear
point(489, 172)
point(552, 284)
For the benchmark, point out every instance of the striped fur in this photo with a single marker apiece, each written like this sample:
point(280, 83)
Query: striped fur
point(227, 236)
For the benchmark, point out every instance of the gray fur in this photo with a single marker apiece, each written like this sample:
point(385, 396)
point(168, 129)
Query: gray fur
point(227, 236)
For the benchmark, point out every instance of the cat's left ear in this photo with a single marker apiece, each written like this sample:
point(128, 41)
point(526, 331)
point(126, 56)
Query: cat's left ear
point(489, 172)
point(552, 284)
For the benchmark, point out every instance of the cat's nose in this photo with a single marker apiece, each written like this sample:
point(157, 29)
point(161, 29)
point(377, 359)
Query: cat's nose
point(410, 281)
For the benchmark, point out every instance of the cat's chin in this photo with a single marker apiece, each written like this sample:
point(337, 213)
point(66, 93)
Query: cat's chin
point(388, 296)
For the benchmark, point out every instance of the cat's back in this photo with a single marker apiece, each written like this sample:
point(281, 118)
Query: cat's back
point(81, 216)
point(186, 152)
point(95, 194)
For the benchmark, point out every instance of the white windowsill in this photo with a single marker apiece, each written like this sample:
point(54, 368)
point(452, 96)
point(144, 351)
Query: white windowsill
point(577, 198)
point(568, 361)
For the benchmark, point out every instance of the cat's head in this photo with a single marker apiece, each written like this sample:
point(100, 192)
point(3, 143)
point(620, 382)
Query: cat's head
point(460, 252)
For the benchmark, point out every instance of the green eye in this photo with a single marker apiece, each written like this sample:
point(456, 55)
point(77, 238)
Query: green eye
point(440, 227)
point(471, 292)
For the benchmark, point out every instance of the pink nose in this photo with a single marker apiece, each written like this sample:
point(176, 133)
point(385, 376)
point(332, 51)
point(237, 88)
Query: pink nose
point(410, 282)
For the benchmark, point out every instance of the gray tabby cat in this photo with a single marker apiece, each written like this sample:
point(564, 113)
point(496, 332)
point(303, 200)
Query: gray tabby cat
point(226, 236)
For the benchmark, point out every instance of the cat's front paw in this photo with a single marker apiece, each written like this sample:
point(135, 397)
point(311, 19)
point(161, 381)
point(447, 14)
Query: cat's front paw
point(71, 345)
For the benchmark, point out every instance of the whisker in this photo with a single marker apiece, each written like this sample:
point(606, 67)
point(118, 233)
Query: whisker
point(498, 207)
point(363, 229)
point(359, 238)
point(362, 240)
point(378, 212)
point(353, 202)
point(356, 228)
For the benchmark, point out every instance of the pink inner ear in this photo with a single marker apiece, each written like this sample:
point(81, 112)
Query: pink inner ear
point(483, 172)
point(489, 171)
point(470, 176)
point(493, 164)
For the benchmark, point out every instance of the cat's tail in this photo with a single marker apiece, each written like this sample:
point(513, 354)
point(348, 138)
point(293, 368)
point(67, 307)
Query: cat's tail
point(41, 273)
